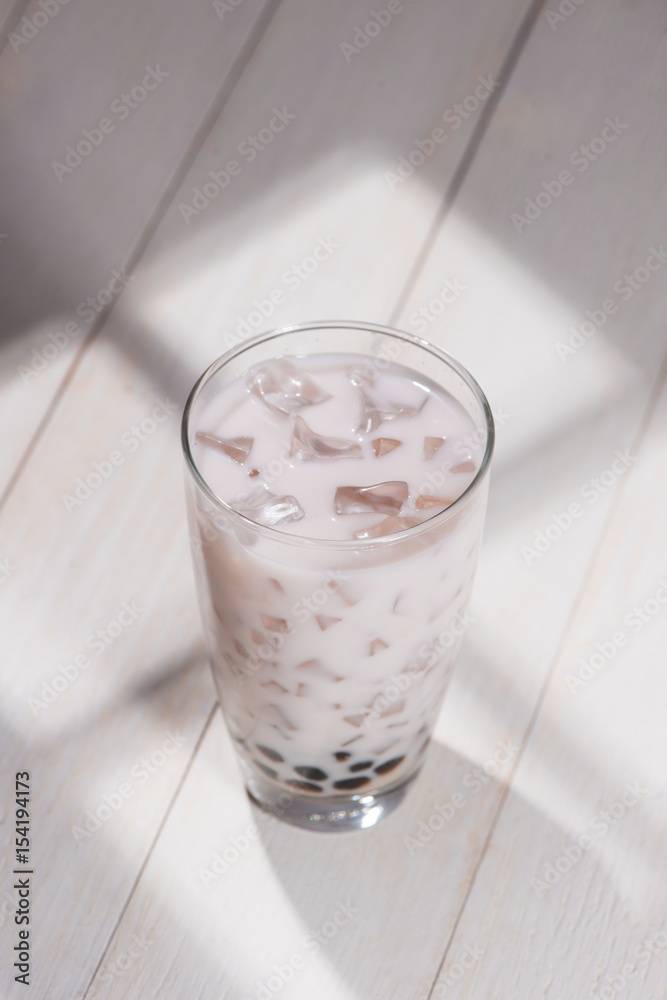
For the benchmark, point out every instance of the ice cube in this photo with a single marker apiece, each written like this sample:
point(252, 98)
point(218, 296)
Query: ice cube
point(335, 586)
point(307, 444)
point(426, 502)
point(394, 709)
point(383, 498)
point(382, 446)
point(274, 686)
point(326, 621)
point(361, 376)
point(374, 413)
point(464, 467)
point(316, 668)
point(237, 448)
point(275, 716)
point(310, 665)
point(431, 446)
point(388, 526)
point(266, 508)
point(284, 388)
point(275, 624)
point(354, 720)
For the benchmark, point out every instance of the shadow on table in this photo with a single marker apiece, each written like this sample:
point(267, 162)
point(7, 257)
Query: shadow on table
point(352, 115)
point(378, 905)
point(377, 908)
point(409, 876)
point(384, 904)
point(407, 896)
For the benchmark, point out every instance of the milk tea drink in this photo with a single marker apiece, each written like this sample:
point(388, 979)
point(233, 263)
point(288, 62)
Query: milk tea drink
point(333, 582)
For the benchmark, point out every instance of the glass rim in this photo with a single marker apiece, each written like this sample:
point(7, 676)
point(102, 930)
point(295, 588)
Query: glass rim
point(344, 544)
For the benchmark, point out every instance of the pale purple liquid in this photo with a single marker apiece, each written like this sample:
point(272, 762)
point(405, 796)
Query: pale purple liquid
point(332, 666)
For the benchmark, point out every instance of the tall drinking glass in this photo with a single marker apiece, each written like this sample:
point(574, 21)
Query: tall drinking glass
point(332, 724)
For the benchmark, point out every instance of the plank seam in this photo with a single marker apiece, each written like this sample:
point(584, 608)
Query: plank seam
point(452, 191)
point(149, 853)
point(644, 423)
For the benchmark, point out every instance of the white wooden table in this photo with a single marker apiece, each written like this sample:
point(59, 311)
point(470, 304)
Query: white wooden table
point(410, 147)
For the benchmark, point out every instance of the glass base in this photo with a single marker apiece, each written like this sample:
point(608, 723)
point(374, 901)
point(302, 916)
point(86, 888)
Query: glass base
point(330, 815)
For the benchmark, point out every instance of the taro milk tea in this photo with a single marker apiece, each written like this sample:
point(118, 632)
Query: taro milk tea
point(331, 664)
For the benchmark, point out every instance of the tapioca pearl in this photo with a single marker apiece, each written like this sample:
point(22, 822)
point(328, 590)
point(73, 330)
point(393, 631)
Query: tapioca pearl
point(342, 755)
point(303, 786)
point(389, 765)
point(312, 773)
point(361, 765)
point(268, 771)
point(270, 753)
point(349, 784)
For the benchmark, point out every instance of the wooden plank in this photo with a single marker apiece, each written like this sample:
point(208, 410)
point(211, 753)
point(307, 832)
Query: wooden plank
point(122, 542)
point(593, 766)
point(562, 421)
point(570, 416)
point(323, 176)
point(69, 230)
point(253, 899)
